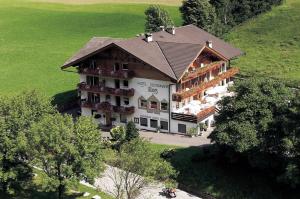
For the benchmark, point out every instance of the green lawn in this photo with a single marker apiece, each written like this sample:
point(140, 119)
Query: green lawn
point(272, 43)
point(36, 190)
point(37, 38)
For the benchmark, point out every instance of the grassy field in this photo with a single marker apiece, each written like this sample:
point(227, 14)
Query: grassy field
point(164, 2)
point(37, 38)
point(272, 43)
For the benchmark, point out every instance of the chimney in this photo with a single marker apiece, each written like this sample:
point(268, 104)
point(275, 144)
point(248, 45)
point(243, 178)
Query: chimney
point(209, 43)
point(162, 28)
point(148, 37)
point(171, 30)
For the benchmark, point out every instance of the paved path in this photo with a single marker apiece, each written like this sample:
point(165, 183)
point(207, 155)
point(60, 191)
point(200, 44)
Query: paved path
point(173, 139)
point(154, 191)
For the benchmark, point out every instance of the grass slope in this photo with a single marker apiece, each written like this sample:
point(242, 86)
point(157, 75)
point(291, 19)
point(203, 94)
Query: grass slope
point(272, 43)
point(36, 38)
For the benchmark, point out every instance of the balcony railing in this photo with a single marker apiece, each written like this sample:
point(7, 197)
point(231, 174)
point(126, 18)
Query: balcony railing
point(122, 74)
point(106, 90)
point(106, 107)
point(201, 71)
point(205, 85)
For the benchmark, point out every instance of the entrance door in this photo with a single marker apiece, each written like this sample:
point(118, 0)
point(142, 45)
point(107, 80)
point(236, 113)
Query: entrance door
point(118, 100)
point(108, 119)
point(117, 83)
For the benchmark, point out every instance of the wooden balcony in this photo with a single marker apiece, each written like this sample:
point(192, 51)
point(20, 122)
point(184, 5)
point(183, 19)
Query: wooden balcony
point(201, 71)
point(106, 107)
point(106, 90)
point(194, 118)
point(179, 96)
point(120, 74)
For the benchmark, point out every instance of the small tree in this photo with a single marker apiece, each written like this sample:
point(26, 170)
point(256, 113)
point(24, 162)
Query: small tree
point(200, 13)
point(131, 131)
point(66, 151)
point(118, 133)
point(156, 17)
point(139, 165)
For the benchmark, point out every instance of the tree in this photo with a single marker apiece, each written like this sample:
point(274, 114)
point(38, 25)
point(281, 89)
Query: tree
point(66, 151)
point(156, 17)
point(200, 13)
point(139, 165)
point(261, 122)
point(131, 131)
point(224, 11)
point(118, 133)
point(17, 114)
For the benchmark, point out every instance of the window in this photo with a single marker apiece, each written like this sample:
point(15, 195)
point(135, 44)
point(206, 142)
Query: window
point(153, 105)
point(164, 106)
point(117, 66)
point(164, 125)
point(107, 97)
point(143, 103)
point(177, 105)
point(144, 121)
point(181, 128)
point(93, 64)
point(136, 120)
point(153, 123)
point(92, 80)
point(125, 83)
point(123, 118)
point(125, 66)
point(94, 98)
point(93, 111)
point(126, 100)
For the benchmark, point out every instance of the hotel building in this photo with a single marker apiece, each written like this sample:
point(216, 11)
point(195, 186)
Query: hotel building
point(171, 79)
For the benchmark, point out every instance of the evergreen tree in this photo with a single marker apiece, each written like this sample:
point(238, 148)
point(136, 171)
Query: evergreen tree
point(156, 17)
point(131, 131)
point(200, 13)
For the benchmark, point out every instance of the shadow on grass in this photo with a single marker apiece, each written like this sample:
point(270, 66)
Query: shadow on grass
point(200, 172)
point(66, 100)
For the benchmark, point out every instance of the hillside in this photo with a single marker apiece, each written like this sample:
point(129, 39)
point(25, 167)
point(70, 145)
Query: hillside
point(272, 43)
point(37, 38)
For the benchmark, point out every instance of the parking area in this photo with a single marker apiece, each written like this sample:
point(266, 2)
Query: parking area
point(172, 139)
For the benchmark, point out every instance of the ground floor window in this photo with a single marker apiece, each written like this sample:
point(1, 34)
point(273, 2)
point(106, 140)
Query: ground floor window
point(136, 120)
point(144, 121)
point(181, 128)
point(123, 118)
point(153, 123)
point(164, 125)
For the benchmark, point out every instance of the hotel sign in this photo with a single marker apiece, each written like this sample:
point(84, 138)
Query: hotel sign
point(152, 87)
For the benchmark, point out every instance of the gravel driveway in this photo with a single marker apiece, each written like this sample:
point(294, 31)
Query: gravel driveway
point(106, 184)
point(173, 139)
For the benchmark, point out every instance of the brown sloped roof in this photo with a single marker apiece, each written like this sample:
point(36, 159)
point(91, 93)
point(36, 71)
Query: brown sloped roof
point(92, 46)
point(179, 55)
point(170, 54)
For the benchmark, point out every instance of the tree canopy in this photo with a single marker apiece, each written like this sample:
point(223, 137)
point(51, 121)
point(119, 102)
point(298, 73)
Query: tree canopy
point(261, 122)
point(200, 13)
point(156, 17)
point(17, 114)
point(67, 151)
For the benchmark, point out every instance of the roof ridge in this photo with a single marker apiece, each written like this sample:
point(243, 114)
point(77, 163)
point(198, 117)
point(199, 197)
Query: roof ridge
point(166, 58)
